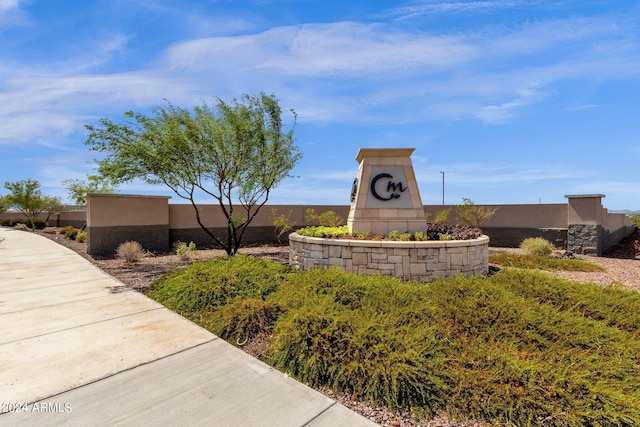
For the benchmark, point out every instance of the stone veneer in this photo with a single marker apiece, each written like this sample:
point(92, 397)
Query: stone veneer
point(421, 261)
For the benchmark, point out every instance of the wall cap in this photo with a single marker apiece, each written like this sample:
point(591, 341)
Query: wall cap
point(137, 196)
point(583, 196)
point(390, 243)
point(383, 152)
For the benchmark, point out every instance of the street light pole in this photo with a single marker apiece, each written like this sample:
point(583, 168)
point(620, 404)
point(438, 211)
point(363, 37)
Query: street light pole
point(442, 187)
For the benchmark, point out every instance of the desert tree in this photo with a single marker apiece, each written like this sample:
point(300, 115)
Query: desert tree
point(4, 204)
point(472, 214)
point(235, 152)
point(26, 197)
point(79, 188)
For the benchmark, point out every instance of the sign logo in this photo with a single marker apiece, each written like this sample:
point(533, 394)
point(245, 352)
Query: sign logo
point(393, 189)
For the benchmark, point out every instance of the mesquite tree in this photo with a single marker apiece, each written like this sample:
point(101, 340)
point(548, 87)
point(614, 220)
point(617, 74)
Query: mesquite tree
point(234, 152)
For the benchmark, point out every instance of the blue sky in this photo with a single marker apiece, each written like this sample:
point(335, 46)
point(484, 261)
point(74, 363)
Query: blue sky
point(516, 101)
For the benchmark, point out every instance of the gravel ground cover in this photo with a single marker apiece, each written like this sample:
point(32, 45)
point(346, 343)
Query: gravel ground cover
point(622, 265)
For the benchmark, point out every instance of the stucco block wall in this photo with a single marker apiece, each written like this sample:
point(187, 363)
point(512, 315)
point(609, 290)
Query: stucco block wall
point(112, 220)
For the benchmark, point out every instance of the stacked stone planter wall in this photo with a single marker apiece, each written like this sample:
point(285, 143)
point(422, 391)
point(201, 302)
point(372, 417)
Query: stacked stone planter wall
point(422, 261)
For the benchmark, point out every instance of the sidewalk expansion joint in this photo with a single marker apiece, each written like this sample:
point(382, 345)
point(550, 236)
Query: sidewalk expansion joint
point(123, 371)
point(85, 324)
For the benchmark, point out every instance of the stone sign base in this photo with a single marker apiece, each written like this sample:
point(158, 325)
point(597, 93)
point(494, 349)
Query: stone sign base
point(421, 261)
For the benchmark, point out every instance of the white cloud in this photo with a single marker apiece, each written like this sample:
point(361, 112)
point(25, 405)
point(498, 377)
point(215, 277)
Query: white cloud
point(45, 108)
point(337, 49)
point(11, 15)
point(338, 72)
point(438, 7)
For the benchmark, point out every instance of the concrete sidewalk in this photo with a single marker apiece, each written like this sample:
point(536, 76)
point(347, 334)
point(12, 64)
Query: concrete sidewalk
point(77, 348)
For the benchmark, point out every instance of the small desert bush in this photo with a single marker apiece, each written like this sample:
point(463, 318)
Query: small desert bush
point(37, 224)
point(21, 226)
point(81, 237)
point(439, 217)
point(71, 234)
point(536, 246)
point(325, 219)
point(515, 348)
point(65, 229)
point(472, 214)
point(49, 230)
point(130, 251)
point(185, 251)
point(282, 224)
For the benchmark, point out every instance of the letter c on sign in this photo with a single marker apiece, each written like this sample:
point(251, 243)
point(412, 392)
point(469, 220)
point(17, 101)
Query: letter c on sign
point(373, 186)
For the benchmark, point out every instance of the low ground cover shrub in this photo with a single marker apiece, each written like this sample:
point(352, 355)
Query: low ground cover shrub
point(130, 251)
point(539, 262)
point(433, 232)
point(81, 237)
point(515, 348)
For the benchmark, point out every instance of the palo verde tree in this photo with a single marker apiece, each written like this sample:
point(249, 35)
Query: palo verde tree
point(234, 152)
point(78, 188)
point(25, 196)
point(4, 204)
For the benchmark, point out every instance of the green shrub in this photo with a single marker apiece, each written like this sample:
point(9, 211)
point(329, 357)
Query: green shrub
point(516, 348)
point(441, 217)
point(71, 234)
point(324, 232)
point(472, 214)
point(540, 262)
point(282, 223)
point(420, 236)
point(536, 246)
point(130, 251)
point(325, 219)
point(218, 282)
point(38, 224)
point(394, 235)
point(185, 252)
point(66, 229)
point(81, 237)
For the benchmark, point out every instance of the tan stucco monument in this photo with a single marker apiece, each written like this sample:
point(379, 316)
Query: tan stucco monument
point(385, 194)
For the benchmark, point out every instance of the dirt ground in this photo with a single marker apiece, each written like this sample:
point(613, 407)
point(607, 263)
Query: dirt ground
point(622, 264)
